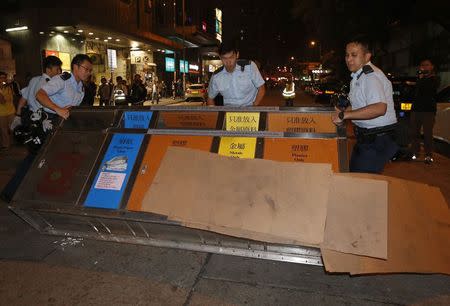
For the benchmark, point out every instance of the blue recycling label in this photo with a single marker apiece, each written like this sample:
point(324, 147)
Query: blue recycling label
point(115, 170)
point(137, 119)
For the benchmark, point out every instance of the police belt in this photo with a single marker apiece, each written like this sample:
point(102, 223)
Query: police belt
point(51, 116)
point(378, 131)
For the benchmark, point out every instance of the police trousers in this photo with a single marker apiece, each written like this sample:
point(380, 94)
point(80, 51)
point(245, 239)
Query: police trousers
point(372, 152)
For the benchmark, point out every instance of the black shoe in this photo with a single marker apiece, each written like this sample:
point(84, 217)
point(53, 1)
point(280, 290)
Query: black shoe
point(428, 159)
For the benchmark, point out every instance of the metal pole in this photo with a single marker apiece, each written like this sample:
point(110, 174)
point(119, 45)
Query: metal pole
point(175, 51)
point(184, 47)
point(320, 52)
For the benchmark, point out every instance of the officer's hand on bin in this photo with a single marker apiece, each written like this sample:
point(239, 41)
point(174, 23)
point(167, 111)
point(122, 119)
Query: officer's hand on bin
point(335, 117)
point(63, 112)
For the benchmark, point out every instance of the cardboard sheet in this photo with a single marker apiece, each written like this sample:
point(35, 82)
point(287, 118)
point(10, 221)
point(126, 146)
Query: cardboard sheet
point(285, 200)
point(357, 216)
point(152, 158)
point(418, 236)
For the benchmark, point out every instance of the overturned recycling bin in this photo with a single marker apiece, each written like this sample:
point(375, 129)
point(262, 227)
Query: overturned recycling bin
point(91, 177)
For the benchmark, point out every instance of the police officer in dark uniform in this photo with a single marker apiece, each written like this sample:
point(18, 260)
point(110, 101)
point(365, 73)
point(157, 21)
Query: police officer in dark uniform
point(371, 111)
point(238, 81)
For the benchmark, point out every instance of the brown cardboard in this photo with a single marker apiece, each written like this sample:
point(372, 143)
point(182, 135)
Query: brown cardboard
point(278, 199)
point(418, 235)
point(357, 216)
point(152, 158)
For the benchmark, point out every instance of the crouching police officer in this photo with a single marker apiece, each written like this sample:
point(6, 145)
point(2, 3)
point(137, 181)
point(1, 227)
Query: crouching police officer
point(371, 111)
point(56, 95)
point(238, 81)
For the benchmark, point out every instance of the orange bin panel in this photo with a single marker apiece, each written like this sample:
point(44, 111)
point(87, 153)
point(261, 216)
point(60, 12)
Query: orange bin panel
point(189, 120)
point(303, 150)
point(156, 150)
point(300, 123)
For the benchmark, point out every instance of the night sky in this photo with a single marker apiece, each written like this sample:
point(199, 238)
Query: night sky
point(276, 30)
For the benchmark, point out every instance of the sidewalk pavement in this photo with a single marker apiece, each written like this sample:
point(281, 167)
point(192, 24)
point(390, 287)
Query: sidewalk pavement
point(38, 269)
point(162, 102)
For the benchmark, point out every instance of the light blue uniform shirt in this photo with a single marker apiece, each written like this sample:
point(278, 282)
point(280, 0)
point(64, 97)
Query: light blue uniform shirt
point(64, 92)
point(29, 92)
point(371, 88)
point(238, 88)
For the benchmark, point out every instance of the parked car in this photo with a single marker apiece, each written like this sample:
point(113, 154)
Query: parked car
point(403, 90)
point(443, 96)
point(323, 92)
point(196, 92)
point(441, 129)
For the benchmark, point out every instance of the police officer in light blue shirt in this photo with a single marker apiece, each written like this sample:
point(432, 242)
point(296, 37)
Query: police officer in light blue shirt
point(52, 66)
point(238, 81)
point(66, 90)
point(371, 111)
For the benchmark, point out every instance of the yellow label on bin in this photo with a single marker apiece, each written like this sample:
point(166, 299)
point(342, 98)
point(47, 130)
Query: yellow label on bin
point(239, 147)
point(242, 122)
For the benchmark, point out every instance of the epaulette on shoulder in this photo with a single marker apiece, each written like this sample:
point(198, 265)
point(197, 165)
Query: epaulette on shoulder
point(65, 76)
point(243, 63)
point(218, 70)
point(367, 69)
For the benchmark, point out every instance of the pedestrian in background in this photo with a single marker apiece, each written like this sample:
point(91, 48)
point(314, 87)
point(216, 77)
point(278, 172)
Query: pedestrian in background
point(173, 87)
point(138, 90)
point(163, 89)
point(90, 89)
point(121, 85)
point(7, 110)
point(155, 92)
point(104, 92)
point(179, 88)
point(423, 111)
point(120, 92)
point(16, 90)
point(289, 92)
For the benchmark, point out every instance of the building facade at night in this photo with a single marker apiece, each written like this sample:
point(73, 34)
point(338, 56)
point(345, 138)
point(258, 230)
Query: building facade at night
point(409, 44)
point(122, 37)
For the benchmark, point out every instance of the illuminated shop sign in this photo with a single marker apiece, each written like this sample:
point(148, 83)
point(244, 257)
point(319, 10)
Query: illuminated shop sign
point(219, 24)
point(193, 67)
point(112, 58)
point(170, 64)
point(184, 66)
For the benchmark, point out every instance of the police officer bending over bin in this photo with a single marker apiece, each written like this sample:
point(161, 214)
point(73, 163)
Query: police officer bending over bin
point(65, 90)
point(238, 81)
point(371, 111)
point(56, 95)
